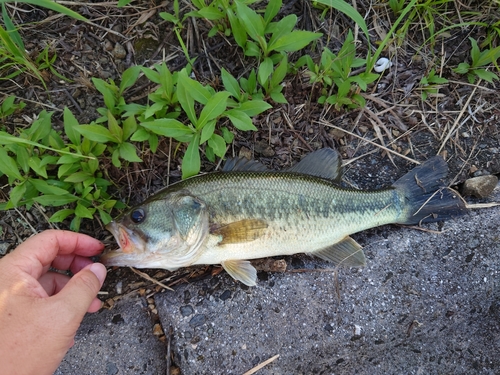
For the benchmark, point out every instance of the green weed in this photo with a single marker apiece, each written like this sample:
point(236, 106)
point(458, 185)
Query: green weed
point(479, 61)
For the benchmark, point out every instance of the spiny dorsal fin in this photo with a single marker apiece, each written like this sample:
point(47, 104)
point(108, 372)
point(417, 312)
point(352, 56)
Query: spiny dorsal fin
point(240, 231)
point(325, 163)
point(346, 253)
point(241, 270)
point(243, 165)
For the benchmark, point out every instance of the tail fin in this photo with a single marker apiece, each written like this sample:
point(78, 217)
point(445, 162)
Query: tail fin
point(427, 198)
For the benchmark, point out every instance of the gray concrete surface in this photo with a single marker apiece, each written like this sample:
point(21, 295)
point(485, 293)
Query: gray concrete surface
point(426, 303)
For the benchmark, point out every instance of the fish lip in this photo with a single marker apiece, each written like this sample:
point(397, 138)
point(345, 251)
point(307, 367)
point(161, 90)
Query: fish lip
point(129, 246)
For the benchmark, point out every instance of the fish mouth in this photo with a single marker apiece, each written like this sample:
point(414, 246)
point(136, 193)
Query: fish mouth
point(131, 247)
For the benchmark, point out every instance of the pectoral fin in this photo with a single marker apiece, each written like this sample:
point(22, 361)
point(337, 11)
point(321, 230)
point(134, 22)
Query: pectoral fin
point(240, 231)
point(241, 270)
point(346, 252)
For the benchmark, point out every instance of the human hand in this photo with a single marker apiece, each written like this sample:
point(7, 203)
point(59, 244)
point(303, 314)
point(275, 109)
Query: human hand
point(40, 311)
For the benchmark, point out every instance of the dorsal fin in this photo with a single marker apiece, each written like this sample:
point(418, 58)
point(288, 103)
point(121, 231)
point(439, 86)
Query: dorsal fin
point(243, 165)
point(325, 163)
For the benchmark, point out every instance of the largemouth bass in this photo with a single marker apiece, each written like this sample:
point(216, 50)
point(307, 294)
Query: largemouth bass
point(247, 212)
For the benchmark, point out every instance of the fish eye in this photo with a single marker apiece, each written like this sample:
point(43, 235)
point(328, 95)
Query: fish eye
point(138, 215)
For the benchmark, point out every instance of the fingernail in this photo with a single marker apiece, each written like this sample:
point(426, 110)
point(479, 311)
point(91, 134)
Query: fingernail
point(99, 270)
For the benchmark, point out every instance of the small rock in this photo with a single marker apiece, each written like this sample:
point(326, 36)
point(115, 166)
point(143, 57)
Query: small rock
point(226, 295)
point(4, 247)
point(197, 320)
point(119, 52)
point(111, 369)
point(108, 46)
point(262, 147)
point(245, 153)
point(481, 186)
point(186, 310)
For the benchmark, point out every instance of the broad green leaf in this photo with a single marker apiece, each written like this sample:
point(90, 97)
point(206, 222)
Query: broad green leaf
point(77, 177)
point(107, 92)
point(45, 188)
point(207, 131)
point(252, 49)
point(82, 211)
point(240, 36)
point(22, 157)
point(169, 17)
point(272, 9)
point(185, 99)
point(217, 143)
point(129, 153)
point(67, 169)
point(278, 97)
point(97, 133)
point(227, 135)
point(252, 22)
point(214, 108)
point(129, 77)
point(191, 162)
point(474, 53)
point(67, 159)
point(151, 74)
point(294, 41)
point(254, 107)
point(61, 215)
point(280, 72)
point(211, 13)
point(129, 127)
point(283, 27)
point(230, 84)
point(197, 91)
point(486, 75)
point(36, 164)
point(17, 193)
point(105, 217)
point(115, 158)
point(265, 70)
point(8, 166)
point(115, 129)
point(70, 124)
point(41, 127)
point(240, 120)
point(168, 127)
point(55, 200)
point(140, 135)
point(462, 68)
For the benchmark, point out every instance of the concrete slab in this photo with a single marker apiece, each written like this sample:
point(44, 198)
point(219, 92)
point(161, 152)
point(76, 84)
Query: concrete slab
point(426, 303)
point(115, 342)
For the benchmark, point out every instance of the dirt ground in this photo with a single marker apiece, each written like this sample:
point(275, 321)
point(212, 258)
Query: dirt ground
point(376, 142)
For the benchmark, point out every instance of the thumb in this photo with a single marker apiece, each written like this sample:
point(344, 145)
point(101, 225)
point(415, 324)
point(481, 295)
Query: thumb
point(82, 289)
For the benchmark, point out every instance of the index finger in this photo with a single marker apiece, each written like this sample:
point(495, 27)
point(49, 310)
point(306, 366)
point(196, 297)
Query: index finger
point(40, 250)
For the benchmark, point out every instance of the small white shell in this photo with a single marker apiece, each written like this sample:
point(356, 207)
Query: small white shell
point(382, 64)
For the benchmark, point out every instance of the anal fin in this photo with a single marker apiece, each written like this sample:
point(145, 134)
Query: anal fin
point(347, 253)
point(241, 270)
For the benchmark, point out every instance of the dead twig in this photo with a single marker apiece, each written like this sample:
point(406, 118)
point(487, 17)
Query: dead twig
point(149, 278)
point(261, 365)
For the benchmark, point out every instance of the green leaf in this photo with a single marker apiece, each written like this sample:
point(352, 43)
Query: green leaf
point(115, 129)
point(168, 127)
point(129, 77)
point(61, 215)
point(45, 188)
point(486, 75)
point(254, 107)
point(106, 91)
point(191, 162)
point(70, 125)
point(128, 152)
point(151, 74)
point(195, 89)
point(140, 135)
point(17, 193)
point(462, 68)
point(278, 97)
point(280, 72)
point(240, 36)
point(207, 131)
point(55, 200)
point(265, 70)
point(58, 8)
point(41, 127)
point(169, 17)
point(294, 41)
point(211, 13)
point(474, 53)
point(78, 177)
point(252, 22)
point(240, 120)
point(115, 158)
point(213, 108)
point(97, 133)
point(217, 143)
point(272, 10)
point(227, 135)
point(129, 127)
point(8, 166)
point(105, 217)
point(36, 164)
point(230, 84)
point(283, 27)
point(83, 212)
point(185, 99)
